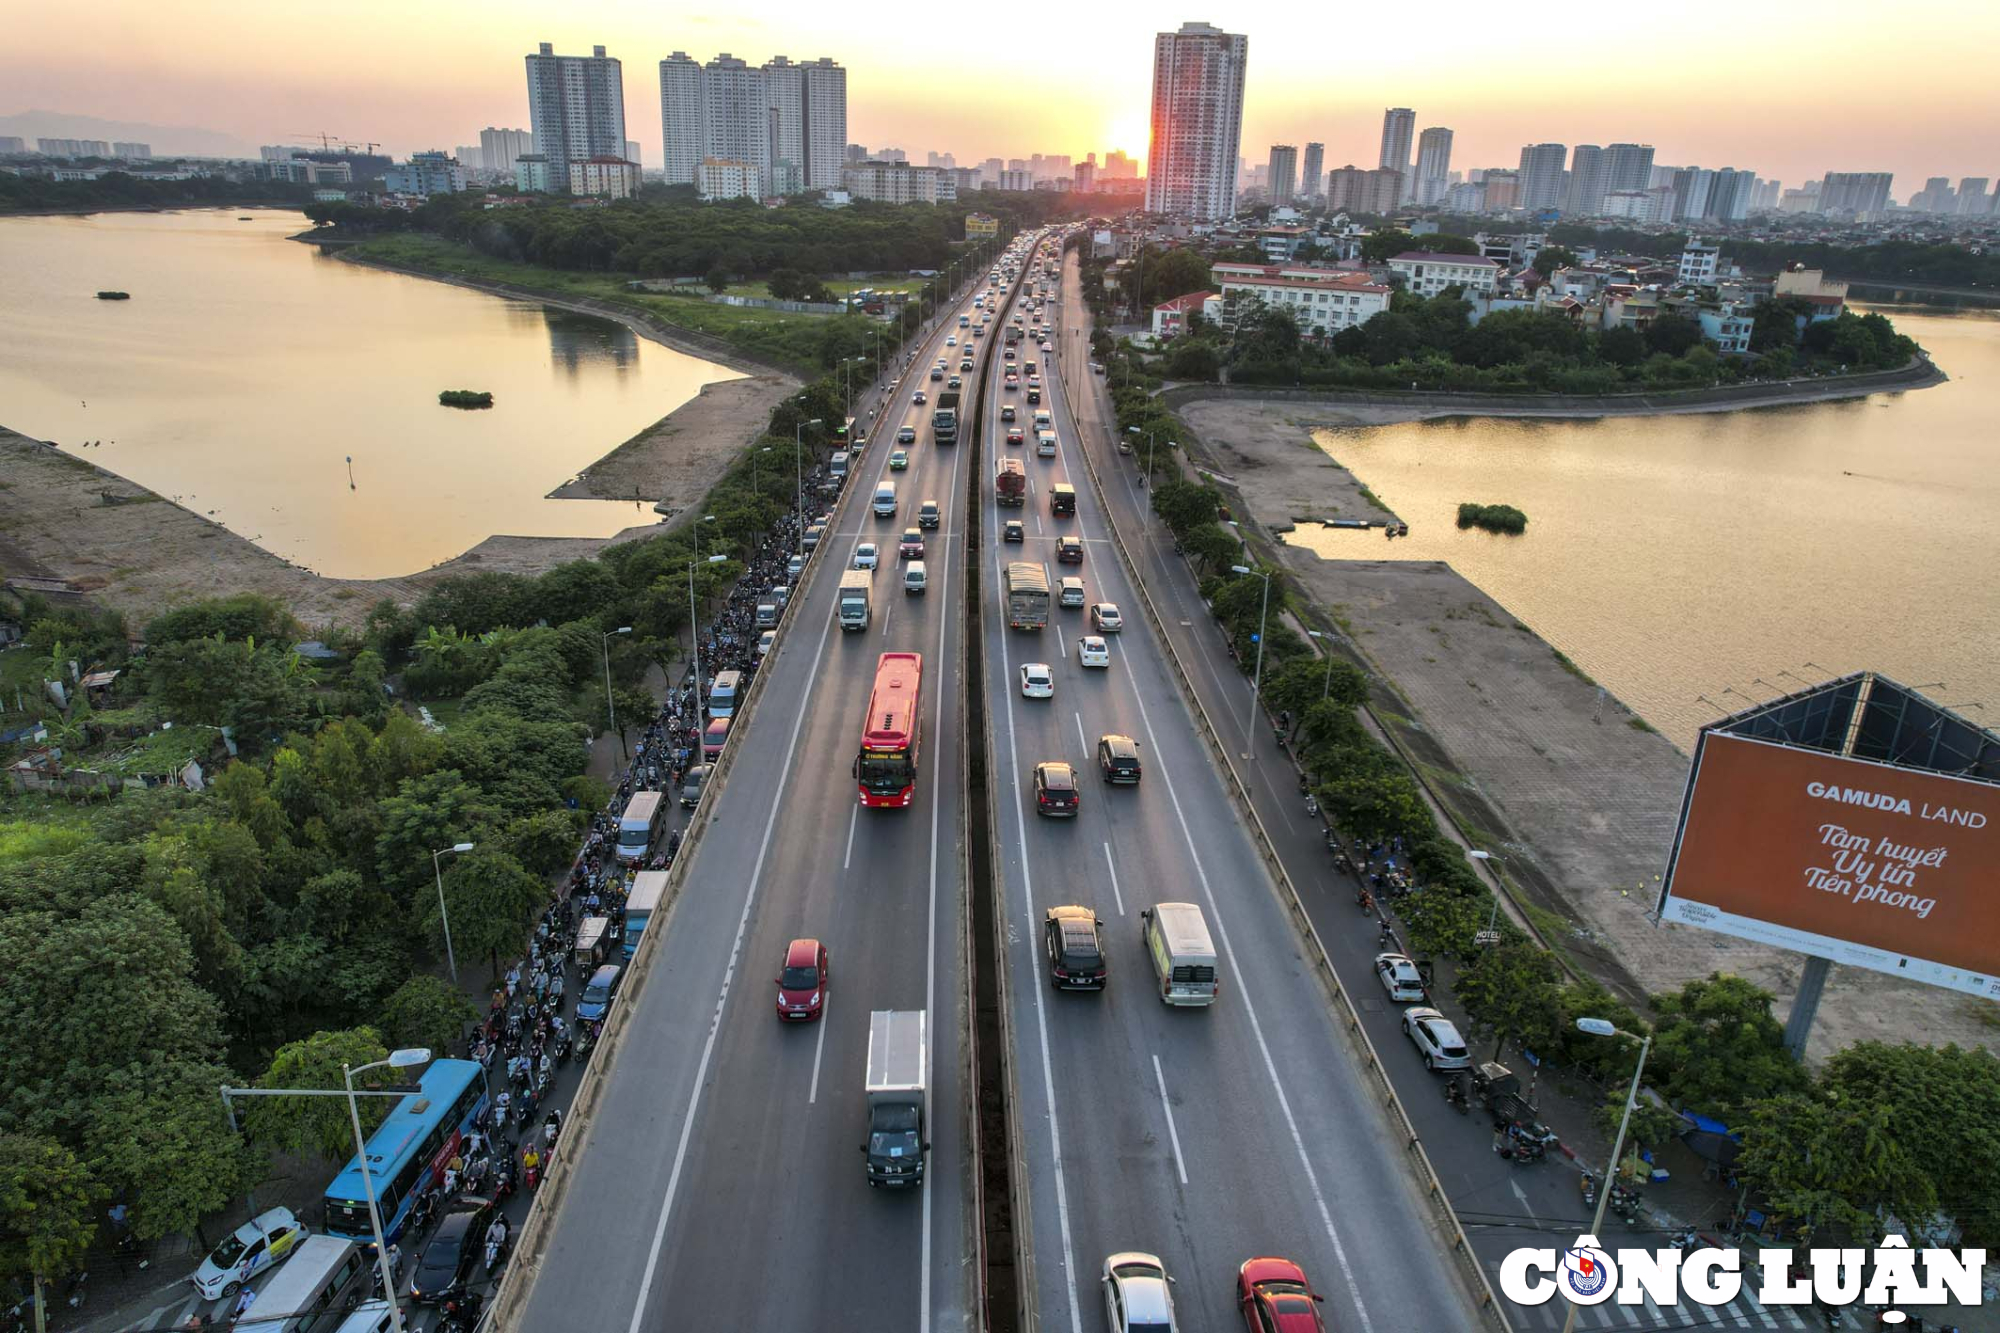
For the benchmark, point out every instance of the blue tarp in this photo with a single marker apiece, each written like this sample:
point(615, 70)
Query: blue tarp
point(1705, 1125)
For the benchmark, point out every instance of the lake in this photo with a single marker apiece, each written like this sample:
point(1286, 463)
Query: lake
point(1681, 556)
point(247, 369)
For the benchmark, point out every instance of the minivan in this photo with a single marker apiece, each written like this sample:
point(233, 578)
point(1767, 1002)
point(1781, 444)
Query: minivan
point(915, 578)
point(319, 1284)
point(1183, 955)
point(1045, 444)
point(885, 500)
point(767, 615)
point(838, 467)
point(713, 737)
point(722, 695)
point(595, 1001)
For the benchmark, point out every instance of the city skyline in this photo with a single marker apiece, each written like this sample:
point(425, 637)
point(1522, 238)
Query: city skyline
point(380, 77)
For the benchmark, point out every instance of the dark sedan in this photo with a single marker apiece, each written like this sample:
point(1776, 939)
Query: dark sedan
point(452, 1255)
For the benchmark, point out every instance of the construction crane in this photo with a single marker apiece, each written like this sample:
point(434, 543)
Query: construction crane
point(331, 142)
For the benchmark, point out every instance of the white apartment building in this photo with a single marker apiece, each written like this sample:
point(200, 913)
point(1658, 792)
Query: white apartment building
point(1323, 301)
point(1197, 122)
point(788, 120)
point(1399, 125)
point(1427, 274)
point(1433, 166)
point(576, 106)
point(605, 176)
point(1698, 264)
point(532, 175)
point(900, 183)
point(426, 173)
point(727, 178)
point(498, 148)
point(683, 132)
point(1542, 178)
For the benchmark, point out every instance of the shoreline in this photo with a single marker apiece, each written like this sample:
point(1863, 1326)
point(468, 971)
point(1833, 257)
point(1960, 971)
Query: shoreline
point(1368, 407)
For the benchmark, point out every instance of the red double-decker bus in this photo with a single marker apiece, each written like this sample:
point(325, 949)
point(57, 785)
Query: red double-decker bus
point(886, 768)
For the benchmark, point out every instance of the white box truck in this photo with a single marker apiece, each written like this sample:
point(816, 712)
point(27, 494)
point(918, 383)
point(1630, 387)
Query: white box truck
point(895, 1148)
point(857, 598)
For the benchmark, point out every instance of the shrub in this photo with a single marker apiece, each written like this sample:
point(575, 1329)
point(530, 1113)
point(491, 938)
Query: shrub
point(1494, 518)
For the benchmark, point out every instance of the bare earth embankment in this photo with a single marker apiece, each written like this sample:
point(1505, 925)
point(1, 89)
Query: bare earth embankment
point(1583, 794)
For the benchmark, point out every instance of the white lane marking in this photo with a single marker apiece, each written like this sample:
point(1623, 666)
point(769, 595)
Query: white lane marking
point(930, 947)
point(887, 612)
point(1082, 744)
point(819, 1047)
point(1256, 1028)
point(853, 818)
point(728, 976)
point(1061, 643)
point(1041, 1013)
point(1112, 866)
point(1038, 523)
point(1173, 1135)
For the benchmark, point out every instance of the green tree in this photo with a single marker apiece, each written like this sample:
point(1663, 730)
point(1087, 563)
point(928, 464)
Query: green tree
point(1716, 1047)
point(1176, 273)
point(1622, 346)
point(159, 1135)
point(1672, 335)
point(320, 1125)
point(490, 898)
point(428, 1012)
point(428, 812)
point(1552, 257)
point(1510, 991)
point(1185, 505)
point(717, 279)
point(47, 1200)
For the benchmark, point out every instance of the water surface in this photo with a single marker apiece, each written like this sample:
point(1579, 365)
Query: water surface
point(247, 369)
point(1680, 556)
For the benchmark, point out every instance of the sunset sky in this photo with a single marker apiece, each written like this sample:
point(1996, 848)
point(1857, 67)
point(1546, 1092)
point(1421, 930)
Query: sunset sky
point(1789, 90)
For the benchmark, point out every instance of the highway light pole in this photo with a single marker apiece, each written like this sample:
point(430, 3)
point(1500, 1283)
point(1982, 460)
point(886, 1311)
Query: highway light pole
point(1257, 679)
point(799, 466)
point(459, 848)
point(610, 708)
point(1489, 935)
point(1326, 686)
point(694, 622)
point(1602, 1027)
point(402, 1059)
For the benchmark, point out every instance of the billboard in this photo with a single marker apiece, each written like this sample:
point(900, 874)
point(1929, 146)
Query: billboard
point(1860, 862)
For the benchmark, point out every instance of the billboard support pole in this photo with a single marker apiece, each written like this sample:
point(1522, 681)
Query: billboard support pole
point(1812, 981)
point(1805, 1005)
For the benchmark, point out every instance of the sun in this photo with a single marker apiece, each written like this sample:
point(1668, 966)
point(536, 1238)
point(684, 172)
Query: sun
point(1130, 135)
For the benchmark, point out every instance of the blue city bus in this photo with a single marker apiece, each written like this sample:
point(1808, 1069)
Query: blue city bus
point(409, 1151)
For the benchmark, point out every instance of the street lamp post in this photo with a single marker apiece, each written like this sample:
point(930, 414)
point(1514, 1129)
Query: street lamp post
point(610, 708)
point(756, 481)
point(1601, 1027)
point(1257, 677)
point(1492, 917)
point(1326, 642)
point(459, 848)
point(402, 1059)
point(694, 631)
point(799, 466)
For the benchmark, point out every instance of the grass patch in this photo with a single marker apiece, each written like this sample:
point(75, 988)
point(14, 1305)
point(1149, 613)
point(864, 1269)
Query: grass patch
point(1373, 499)
point(1493, 518)
point(1638, 723)
point(1571, 667)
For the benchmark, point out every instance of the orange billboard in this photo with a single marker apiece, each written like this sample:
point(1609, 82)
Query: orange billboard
point(1859, 862)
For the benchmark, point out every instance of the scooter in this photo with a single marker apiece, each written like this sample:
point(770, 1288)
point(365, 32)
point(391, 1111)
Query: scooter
point(496, 1245)
point(1454, 1096)
point(1685, 1240)
point(1587, 1183)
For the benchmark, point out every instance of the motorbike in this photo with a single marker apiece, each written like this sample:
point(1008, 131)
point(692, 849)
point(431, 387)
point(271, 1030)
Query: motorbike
point(75, 1291)
point(1625, 1203)
point(583, 1040)
point(551, 1128)
point(1312, 806)
point(1587, 1185)
point(563, 1045)
point(1455, 1095)
point(459, 1314)
point(496, 1245)
point(1685, 1240)
point(1365, 901)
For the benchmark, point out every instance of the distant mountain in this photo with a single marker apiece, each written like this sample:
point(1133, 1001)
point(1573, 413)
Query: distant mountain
point(165, 139)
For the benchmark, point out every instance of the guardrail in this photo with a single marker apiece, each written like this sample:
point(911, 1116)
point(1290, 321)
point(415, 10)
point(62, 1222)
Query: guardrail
point(1415, 1154)
point(509, 1303)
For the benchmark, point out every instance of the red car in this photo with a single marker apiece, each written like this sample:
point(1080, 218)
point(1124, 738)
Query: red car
point(802, 984)
point(1014, 436)
point(1277, 1298)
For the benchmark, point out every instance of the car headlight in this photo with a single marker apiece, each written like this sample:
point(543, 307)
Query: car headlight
point(814, 999)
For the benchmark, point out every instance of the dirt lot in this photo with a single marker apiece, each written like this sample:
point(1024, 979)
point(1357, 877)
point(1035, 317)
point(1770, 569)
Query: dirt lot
point(677, 458)
point(1588, 796)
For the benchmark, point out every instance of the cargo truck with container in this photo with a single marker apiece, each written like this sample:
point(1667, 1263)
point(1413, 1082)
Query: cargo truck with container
point(649, 887)
point(856, 602)
point(1027, 588)
point(944, 418)
point(1010, 483)
point(895, 1147)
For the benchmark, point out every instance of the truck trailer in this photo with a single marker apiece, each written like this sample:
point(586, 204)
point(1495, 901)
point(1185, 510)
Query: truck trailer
point(895, 1147)
point(944, 418)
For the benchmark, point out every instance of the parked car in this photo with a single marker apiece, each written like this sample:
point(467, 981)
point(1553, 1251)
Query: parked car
point(1436, 1039)
point(1276, 1297)
point(802, 981)
point(1076, 954)
point(1104, 618)
point(1399, 976)
point(1037, 681)
point(249, 1250)
point(1056, 792)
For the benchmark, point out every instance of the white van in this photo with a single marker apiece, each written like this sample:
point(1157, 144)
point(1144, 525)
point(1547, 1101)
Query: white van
point(1183, 955)
point(838, 465)
point(316, 1288)
point(885, 500)
point(915, 578)
point(1045, 444)
point(722, 696)
point(639, 825)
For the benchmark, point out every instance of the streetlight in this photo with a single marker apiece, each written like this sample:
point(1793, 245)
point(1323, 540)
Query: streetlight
point(1489, 935)
point(695, 631)
point(799, 466)
point(610, 708)
point(403, 1059)
point(1603, 1027)
point(755, 480)
point(1257, 678)
point(460, 848)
